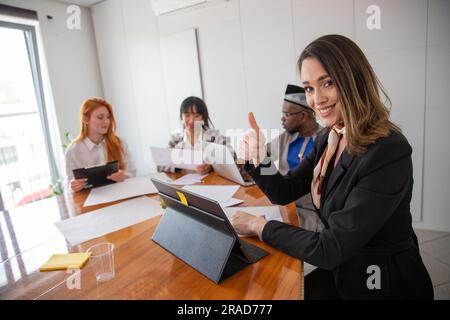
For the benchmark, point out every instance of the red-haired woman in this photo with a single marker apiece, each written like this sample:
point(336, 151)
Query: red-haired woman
point(97, 144)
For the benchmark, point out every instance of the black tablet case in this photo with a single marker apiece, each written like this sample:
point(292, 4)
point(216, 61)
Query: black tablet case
point(201, 235)
point(97, 175)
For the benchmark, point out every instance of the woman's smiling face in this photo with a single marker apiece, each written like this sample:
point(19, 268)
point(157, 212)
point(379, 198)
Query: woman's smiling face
point(321, 92)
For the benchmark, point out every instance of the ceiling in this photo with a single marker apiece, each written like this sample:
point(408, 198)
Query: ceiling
point(84, 3)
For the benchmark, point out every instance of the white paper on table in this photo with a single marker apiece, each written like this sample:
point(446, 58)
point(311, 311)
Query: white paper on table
point(218, 193)
point(231, 202)
point(131, 187)
point(179, 158)
point(189, 178)
point(268, 212)
point(157, 175)
point(106, 220)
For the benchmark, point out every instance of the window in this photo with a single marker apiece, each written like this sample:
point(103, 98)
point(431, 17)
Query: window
point(8, 155)
point(27, 162)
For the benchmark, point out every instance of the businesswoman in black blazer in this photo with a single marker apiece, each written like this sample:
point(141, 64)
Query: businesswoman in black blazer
point(360, 178)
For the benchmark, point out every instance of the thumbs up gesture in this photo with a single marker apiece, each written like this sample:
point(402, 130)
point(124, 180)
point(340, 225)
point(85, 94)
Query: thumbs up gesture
point(252, 147)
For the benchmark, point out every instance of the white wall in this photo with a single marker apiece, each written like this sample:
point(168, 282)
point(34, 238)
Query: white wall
point(397, 53)
point(181, 69)
point(131, 68)
point(71, 57)
point(436, 199)
point(221, 59)
point(248, 51)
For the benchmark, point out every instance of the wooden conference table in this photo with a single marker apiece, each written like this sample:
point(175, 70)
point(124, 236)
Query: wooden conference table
point(144, 270)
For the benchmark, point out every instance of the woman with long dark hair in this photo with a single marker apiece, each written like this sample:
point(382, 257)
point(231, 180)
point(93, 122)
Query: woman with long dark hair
point(196, 128)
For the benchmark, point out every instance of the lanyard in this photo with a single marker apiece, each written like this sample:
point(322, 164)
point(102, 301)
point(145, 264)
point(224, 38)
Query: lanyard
point(304, 145)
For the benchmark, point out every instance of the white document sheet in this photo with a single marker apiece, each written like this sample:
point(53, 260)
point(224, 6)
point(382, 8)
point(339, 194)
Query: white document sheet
point(218, 193)
point(231, 202)
point(190, 178)
point(106, 220)
point(179, 158)
point(269, 212)
point(131, 187)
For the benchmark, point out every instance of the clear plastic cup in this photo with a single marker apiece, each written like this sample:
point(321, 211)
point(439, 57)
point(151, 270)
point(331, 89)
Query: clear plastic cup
point(102, 260)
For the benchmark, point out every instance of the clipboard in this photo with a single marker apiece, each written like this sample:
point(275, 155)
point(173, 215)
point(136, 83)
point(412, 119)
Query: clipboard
point(97, 175)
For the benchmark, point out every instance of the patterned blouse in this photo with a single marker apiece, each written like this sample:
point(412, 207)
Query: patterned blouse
point(179, 139)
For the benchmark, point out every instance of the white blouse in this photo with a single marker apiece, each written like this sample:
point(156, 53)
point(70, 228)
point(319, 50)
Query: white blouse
point(86, 154)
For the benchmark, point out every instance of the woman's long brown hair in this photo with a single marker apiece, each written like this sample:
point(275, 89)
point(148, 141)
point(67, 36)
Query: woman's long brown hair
point(114, 147)
point(366, 117)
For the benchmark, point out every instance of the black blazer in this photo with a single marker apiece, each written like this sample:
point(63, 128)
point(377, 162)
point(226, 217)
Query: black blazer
point(366, 213)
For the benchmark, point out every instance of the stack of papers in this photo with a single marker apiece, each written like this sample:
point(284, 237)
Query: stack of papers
point(221, 194)
point(129, 188)
point(230, 203)
point(178, 158)
point(106, 220)
point(190, 178)
point(268, 212)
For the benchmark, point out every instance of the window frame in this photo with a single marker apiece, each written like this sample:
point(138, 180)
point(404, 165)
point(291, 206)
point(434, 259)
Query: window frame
point(29, 32)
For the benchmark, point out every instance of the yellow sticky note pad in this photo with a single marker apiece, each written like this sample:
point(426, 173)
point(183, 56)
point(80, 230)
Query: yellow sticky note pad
point(182, 198)
point(65, 261)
